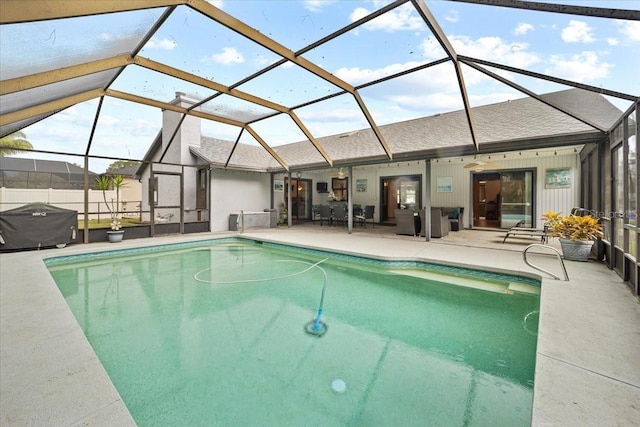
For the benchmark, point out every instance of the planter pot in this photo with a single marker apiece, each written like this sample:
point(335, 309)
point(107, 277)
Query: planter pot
point(115, 236)
point(576, 250)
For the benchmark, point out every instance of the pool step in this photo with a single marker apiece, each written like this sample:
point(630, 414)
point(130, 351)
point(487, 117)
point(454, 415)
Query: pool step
point(503, 287)
point(523, 288)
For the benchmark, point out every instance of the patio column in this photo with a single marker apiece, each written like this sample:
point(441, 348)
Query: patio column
point(350, 201)
point(289, 204)
point(427, 200)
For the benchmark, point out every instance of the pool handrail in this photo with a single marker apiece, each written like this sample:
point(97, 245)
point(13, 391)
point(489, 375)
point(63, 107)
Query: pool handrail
point(564, 269)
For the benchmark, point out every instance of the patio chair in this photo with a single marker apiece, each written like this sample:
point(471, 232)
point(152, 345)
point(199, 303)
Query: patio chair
point(340, 213)
point(405, 222)
point(367, 214)
point(325, 214)
point(440, 224)
point(315, 213)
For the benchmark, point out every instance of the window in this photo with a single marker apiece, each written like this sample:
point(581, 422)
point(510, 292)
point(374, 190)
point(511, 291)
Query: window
point(340, 189)
point(155, 191)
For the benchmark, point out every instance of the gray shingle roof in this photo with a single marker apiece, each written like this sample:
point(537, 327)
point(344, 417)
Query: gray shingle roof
point(37, 165)
point(433, 136)
point(216, 152)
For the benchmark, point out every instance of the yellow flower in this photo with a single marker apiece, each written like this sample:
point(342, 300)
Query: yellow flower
point(573, 227)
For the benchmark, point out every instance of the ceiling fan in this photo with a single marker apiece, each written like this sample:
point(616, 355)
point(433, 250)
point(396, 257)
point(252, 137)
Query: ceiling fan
point(480, 165)
point(342, 174)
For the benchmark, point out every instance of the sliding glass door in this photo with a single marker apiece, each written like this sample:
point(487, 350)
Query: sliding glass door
point(516, 199)
point(300, 199)
point(504, 199)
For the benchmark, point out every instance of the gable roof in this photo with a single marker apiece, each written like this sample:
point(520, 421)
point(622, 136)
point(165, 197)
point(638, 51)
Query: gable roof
point(519, 124)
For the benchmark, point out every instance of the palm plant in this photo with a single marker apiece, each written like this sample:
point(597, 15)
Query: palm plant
point(14, 143)
point(104, 183)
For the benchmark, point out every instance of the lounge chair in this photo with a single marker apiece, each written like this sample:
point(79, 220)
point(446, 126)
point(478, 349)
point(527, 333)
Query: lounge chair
point(527, 231)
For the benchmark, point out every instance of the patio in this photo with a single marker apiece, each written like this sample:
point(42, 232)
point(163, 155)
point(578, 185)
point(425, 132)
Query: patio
point(586, 369)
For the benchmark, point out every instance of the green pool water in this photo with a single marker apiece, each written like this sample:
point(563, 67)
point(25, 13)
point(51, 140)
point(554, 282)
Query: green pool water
point(214, 334)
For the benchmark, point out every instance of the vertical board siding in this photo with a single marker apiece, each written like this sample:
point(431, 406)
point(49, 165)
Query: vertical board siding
point(555, 199)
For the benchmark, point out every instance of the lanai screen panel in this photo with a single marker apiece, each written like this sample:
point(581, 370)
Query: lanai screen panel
point(70, 136)
point(333, 116)
point(157, 86)
point(17, 101)
point(295, 24)
point(393, 42)
point(279, 130)
point(583, 49)
point(290, 85)
point(413, 95)
point(124, 130)
point(356, 56)
point(236, 109)
point(52, 44)
point(194, 43)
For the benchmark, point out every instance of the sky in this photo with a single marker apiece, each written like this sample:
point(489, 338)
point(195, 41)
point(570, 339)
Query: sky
point(599, 52)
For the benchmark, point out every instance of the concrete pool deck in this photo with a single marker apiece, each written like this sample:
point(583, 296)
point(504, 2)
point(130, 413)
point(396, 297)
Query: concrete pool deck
point(587, 370)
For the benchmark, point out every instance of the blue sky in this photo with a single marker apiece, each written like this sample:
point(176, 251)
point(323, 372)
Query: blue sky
point(599, 52)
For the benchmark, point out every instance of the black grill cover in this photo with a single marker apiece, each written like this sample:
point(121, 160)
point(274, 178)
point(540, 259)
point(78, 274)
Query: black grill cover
point(37, 225)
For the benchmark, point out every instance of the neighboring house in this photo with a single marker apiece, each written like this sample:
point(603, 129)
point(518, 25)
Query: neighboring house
point(23, 173)
point(529, 139)
point(24, 181)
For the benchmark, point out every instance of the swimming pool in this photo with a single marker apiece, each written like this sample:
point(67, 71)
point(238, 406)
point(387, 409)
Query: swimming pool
point(215, 332)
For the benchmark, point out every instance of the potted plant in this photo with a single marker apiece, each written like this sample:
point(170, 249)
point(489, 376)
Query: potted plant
point(576, 233)
point(105, 183)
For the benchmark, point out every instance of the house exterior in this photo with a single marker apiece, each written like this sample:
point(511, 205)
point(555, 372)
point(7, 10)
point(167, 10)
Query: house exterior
point(522, 135)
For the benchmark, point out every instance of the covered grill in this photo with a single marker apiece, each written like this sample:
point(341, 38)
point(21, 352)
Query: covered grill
point(37, 225)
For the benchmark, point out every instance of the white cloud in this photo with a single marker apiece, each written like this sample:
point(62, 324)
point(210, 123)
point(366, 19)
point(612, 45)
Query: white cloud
point(495, 49)
point(435, 87)
point(107, 120)
point(229, 55)
point(402, 18)
point(217, 3)
point(612, 41)
point(522, 28)
point(630, 30)
point(577, 31)
point(164, 44)
point(261, 60)
point(452, 16)
point(581, 67)
point(317, 5)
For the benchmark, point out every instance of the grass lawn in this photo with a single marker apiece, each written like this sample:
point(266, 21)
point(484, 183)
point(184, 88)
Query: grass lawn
point(106, 223)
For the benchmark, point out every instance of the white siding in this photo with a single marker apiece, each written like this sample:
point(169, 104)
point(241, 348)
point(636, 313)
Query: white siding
point(558, 199)
point(232, 192)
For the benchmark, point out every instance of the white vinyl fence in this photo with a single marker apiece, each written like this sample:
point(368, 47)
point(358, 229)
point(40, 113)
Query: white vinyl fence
point(11, 198)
